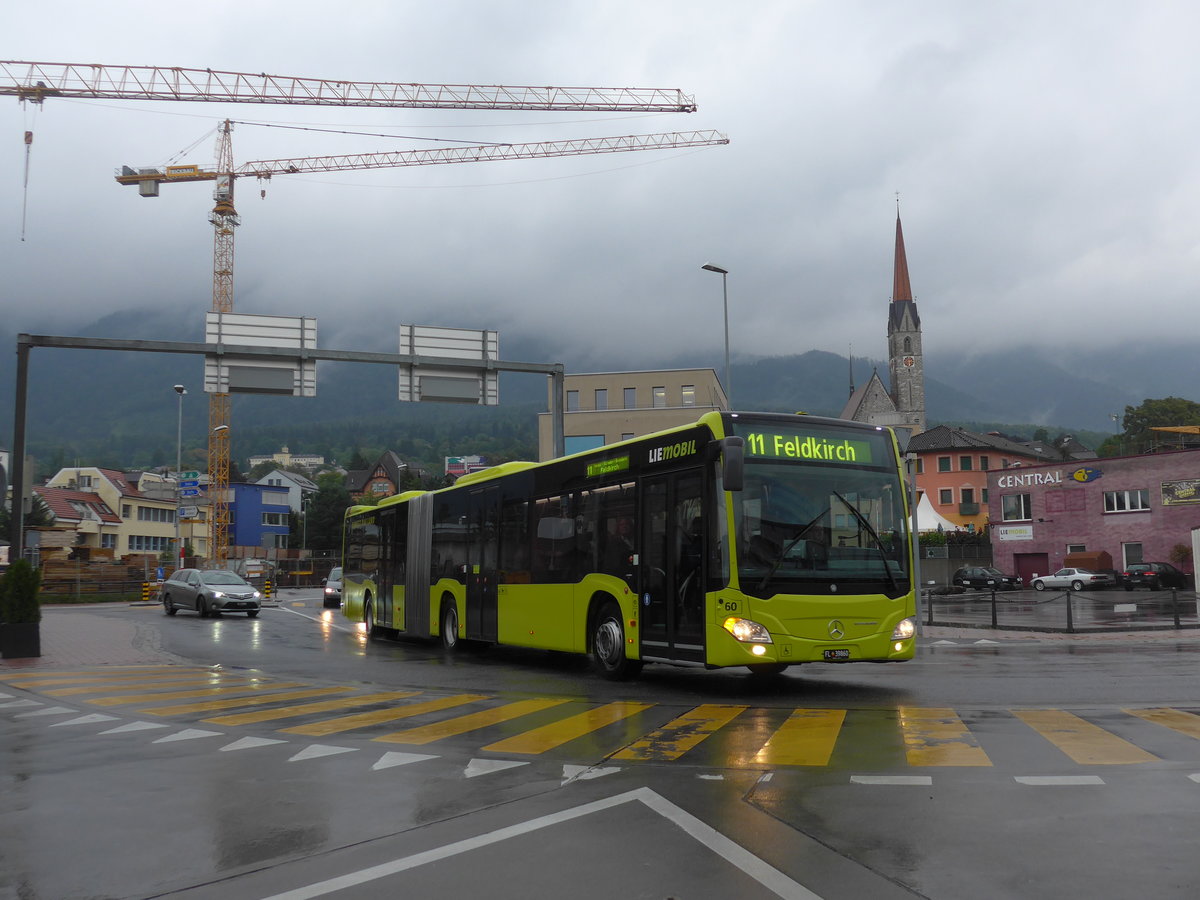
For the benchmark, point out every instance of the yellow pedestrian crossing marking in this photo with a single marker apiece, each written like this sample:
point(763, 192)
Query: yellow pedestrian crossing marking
point(305, 709)
point(1176, 719)
point(938, 737)
point(28, 677)
point(461, 725)
point(141, 684)
point(1084, 742)
point(805, 739)
point(540, 740)
point(160, 696)
point(378, 716)
point(263, 695)
point(681, 734)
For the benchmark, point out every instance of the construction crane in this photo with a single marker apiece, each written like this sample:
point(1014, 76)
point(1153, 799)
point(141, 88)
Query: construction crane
point(34, 82)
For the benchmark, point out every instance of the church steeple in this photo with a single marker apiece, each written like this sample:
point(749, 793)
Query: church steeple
point(901, 287)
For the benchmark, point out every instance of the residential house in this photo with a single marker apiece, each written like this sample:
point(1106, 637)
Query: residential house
point(297, 486)
point(953, 466)
point(389, 475)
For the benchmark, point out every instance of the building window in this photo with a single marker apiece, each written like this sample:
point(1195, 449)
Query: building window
point(968, 495)
point(274, 519)
point(627, 436)
point(1132, 553)
point(631, 398)
point(151, 514)
point(983, 495)
point(108, 541)
point(660, 397)
point(983, 463)
point(577, 443)
point(945, 496)
point(572, 401)
point(1126, 501)
point(601, 398)
point(943, 464)
point(920, 466)
point(1003, 463)
point(85, 481)
point(148, 543)
point(1077, 548)
point(689, 394)
point(964, 464)
point(1016, 508)
point(126, 511)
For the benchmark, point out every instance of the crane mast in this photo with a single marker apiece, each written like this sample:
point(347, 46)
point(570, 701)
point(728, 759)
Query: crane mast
point(34, 82)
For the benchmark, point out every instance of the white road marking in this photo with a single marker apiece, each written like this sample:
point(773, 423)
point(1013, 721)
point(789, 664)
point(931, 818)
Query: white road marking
point(765, 874)
point(136, 726)
point(48, 711)
point(251, 742)
point(86, 720)
point(315, 751)
point(586, 773)
point(488, 766)
point(393, 758)
point(892, 779)
point(188, 734)
point(1058, 779)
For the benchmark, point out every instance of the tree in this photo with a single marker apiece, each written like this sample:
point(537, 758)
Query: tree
point(39, 515)
point(1168, 411)
point(326, 510)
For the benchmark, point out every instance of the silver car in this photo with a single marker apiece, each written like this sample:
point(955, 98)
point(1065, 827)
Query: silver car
point(209, 592)
point(333, 588)
point(1075, 579)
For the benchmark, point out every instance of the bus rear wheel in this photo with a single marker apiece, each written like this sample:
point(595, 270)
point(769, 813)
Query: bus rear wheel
point(368, 618)
point(608, 645)
point(449, 626)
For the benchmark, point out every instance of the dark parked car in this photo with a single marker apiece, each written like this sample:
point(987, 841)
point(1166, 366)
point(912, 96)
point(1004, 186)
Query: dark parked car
point(209, 592)
point(986, 578)
point(1153, 575)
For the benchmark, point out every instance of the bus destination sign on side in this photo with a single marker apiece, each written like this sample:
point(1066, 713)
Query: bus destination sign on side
point(807, 447)
point(608, 466)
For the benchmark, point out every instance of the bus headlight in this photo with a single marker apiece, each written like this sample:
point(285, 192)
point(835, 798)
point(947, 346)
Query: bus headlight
point(746, 631)
point(905, 629)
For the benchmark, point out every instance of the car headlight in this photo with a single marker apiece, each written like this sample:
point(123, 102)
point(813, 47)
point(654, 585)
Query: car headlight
point(217, 594)
point(747, 631)
point(257, 595)
point(904, 629)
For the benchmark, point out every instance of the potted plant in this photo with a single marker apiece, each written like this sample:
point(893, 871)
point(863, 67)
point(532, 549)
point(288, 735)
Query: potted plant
point(20, 613)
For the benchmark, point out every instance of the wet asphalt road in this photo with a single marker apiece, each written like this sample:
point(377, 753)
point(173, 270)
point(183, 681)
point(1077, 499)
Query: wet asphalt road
point(1029, 767)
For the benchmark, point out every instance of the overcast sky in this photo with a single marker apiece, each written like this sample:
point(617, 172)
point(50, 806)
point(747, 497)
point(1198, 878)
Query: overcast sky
point(1044, 154)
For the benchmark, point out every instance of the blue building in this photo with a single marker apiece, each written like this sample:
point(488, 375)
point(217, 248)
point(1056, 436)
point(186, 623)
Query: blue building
point(258, 516)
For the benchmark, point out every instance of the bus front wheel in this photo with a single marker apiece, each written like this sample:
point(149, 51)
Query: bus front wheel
point(608, 645)
point(449, 629)
point(776, 668)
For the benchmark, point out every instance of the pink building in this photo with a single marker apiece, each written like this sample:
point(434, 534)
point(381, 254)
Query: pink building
point(1135, 508)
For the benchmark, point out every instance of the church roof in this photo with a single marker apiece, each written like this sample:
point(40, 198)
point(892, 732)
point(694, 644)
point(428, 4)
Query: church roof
point(901, 286)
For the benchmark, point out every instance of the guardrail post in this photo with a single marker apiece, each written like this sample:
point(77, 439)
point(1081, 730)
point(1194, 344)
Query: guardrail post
point(928, 604)
point(1175, 605)
point(993, 608)
point(1070, 623)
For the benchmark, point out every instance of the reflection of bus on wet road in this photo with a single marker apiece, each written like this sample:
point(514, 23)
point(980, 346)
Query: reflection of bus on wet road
point(757, 540)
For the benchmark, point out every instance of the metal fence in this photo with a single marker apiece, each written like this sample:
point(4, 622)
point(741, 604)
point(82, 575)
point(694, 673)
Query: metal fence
point(1068, 612)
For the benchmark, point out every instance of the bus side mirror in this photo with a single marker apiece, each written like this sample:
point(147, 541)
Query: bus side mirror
point(733, 463)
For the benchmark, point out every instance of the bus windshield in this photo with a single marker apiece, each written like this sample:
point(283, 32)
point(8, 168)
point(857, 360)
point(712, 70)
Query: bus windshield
point(805, 528)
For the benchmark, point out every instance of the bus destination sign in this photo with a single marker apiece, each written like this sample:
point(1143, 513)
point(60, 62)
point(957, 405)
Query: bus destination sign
point(807, 447)
point(608, 466)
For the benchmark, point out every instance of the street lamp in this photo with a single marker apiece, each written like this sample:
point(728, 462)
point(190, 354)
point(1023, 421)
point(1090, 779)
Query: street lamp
point(180, 390)
point(709, 267)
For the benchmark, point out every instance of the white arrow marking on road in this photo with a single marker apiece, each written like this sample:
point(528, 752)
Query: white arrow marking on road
point(247, 743)
point(392, 758)
point(48, 711)
point(488, 766)
point(317, 750)
point(13, 704)
point(586, 773)
point(944, 643)
point(986, 641)
point(136, 726)
point(87, 720)
point(188, 734)
point(1195, 778)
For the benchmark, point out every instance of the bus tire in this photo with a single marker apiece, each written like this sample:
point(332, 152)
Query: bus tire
point(368, 618)
point(448, 628)
point(608, 645)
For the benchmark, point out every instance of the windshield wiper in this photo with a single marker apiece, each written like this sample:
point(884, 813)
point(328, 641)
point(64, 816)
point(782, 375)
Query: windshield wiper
point(787, 548)
point(862, 520)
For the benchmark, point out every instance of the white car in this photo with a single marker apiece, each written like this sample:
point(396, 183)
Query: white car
point(333, 588)
point(1075, 579)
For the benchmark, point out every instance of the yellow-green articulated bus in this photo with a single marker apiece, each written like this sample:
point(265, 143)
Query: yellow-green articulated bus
point(747, 539)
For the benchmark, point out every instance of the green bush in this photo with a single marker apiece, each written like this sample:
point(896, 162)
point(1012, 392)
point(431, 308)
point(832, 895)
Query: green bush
point(19, 594)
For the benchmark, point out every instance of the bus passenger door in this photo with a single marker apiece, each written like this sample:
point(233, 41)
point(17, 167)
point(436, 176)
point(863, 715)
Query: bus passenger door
point(672, 566)
point(483, 540)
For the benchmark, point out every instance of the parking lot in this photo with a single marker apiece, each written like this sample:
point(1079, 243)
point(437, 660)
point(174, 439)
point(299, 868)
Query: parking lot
point(1087, 611)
